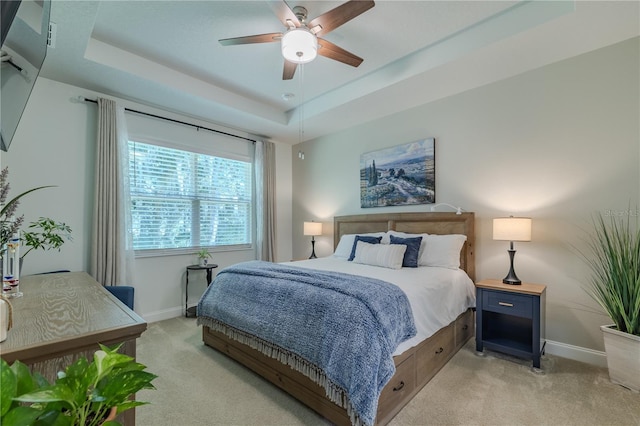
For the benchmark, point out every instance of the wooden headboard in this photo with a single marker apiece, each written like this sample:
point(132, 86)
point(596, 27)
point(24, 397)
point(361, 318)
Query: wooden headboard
point(414, 223)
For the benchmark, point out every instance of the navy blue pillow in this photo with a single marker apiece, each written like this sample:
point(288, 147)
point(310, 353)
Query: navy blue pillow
point(410, 259)
point(364, 239)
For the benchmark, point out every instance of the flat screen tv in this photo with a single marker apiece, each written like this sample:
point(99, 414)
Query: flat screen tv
point(24, 28)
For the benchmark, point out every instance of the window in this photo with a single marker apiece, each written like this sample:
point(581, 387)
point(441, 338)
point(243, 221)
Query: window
point(183, 199)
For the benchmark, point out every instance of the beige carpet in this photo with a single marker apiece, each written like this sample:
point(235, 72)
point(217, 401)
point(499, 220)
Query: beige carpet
point(199, 386)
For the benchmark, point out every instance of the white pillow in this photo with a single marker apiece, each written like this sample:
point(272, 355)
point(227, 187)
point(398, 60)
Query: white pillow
point(385, 255)
point(423, 244)
point(443, 251)
point(345, 245)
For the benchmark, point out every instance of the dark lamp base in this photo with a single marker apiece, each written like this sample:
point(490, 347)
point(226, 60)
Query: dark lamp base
point(512, 278)
point(313, 249)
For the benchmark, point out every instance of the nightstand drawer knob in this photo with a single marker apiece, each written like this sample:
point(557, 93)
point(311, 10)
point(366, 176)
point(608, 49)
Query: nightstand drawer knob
point(399, 387)
point(505, 304)
point(439, 351)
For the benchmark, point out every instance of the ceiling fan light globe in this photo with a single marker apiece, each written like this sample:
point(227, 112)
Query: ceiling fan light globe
point(299, 46)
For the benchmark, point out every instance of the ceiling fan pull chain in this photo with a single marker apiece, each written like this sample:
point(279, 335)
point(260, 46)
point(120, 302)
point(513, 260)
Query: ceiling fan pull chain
point(301, 106)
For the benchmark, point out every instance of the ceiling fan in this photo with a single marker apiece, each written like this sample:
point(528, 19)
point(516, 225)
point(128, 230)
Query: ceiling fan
point(301, 43)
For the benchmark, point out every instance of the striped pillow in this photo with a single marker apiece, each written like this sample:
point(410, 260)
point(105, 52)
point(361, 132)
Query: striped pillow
point(384, 255)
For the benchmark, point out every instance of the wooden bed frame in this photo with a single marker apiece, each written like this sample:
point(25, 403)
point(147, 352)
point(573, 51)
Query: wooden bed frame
point(415, 367)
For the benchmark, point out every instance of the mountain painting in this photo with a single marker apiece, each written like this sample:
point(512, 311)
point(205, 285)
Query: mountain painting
point(399, 176)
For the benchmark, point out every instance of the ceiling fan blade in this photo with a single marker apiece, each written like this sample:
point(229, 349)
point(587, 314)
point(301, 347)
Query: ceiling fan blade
point(344, 13)
point(289, 70)
point(285, 13)
point(331, 51)
point(260, 38)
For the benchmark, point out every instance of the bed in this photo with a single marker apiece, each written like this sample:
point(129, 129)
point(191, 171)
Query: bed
point(415, 361)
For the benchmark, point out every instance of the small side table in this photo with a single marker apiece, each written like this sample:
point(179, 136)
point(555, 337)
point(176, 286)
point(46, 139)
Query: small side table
point(511, 319)
point(191, 312)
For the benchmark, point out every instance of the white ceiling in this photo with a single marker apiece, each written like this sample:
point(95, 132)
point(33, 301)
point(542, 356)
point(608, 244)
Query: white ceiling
point(166, 54)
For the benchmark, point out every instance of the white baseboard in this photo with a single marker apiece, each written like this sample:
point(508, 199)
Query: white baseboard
point(576, 353)
point(163, 315)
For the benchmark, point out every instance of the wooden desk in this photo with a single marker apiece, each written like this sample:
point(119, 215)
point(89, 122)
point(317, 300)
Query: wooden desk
point(63, 317)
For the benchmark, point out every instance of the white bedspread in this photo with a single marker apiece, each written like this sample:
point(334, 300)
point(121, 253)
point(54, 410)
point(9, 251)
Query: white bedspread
point(437, 295)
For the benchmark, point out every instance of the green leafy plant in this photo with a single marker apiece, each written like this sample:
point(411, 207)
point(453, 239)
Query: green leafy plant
point(203, 254)
point(614, 260)
point(45, 234)
point(82, 395)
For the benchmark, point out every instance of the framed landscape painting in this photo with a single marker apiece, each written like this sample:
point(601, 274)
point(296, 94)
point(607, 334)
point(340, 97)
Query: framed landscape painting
point(399, 176)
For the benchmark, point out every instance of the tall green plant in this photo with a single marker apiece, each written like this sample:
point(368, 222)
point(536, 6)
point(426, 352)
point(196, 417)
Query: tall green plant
point(614, 260)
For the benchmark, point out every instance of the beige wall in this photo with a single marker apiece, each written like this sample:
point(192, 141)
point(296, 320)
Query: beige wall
point(557, 144)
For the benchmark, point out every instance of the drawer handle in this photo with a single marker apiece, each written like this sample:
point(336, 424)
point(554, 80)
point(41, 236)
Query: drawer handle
point(465, 327)
point(439, 351)
point(505, 304)
point(399, 387)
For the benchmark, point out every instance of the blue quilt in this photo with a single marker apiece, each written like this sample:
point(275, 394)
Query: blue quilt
point(339, 330)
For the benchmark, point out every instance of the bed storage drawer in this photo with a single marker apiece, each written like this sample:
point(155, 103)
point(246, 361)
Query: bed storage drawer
point(465, 326)
point(401, 385)
point(435, 353)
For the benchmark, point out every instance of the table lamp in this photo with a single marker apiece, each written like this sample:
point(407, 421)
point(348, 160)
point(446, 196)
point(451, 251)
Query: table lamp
point(314, 229)
point(512, 229)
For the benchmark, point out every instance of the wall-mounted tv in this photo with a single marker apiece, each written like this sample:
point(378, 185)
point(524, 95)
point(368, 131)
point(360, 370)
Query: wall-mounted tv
point(24, 27)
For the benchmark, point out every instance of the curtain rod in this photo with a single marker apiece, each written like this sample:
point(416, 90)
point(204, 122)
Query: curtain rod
point(176, 121)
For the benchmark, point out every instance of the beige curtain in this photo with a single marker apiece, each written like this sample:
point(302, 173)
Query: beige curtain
point(265, 180)
point(112, 248)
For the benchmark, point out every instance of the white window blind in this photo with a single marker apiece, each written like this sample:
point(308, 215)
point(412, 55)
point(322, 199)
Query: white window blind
point(183, 199)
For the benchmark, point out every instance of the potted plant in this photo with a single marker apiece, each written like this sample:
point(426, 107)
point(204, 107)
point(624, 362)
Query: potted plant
point(85, 394)
point(203, 256)
point(614, 260)
point(45, 234)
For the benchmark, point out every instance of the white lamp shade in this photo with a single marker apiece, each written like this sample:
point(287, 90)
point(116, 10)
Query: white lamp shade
point(512, 229)
point(313, 228)
point(299, 46)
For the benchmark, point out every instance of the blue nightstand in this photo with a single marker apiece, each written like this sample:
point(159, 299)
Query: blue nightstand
point(510, 319)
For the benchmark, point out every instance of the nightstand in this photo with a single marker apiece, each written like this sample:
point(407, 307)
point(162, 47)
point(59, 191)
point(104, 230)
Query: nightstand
point(510, 319)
